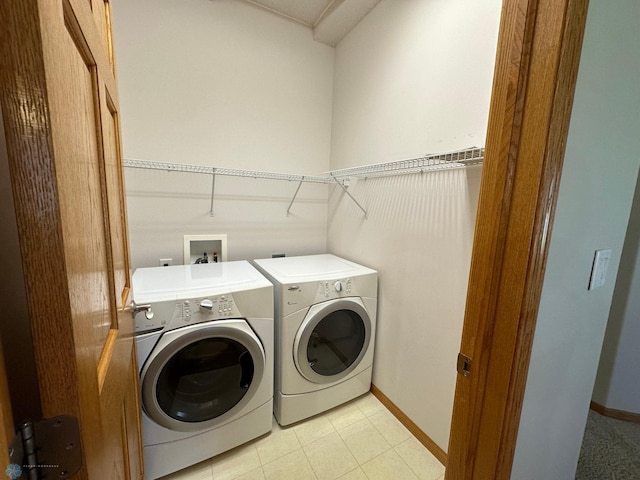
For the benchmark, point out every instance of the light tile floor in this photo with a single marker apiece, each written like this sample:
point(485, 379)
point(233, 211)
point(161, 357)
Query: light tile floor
point(357, 441)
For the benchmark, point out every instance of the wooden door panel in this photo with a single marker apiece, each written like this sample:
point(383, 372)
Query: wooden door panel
point(99, 11)
point(131, 424)
point(112, 408)
point(78, 173)
point(80, 16)
point(116, 207)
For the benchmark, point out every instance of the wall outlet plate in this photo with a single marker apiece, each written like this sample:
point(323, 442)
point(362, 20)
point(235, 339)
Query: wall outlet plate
point(165, 262)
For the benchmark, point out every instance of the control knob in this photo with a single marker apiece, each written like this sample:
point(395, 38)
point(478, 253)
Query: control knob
point(206, 304)
point(338, 286)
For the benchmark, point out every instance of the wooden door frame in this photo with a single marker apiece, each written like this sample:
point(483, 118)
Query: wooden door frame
point(537, 60)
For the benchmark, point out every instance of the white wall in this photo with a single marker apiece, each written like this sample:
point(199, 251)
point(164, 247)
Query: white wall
point(224, 84)
point(596, 193)
point(618, 380)
point(414, 77)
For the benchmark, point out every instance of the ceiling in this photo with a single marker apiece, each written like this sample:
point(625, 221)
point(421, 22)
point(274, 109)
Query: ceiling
point(330, 20)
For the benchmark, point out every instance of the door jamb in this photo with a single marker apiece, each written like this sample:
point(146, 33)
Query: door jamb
point(537, 60)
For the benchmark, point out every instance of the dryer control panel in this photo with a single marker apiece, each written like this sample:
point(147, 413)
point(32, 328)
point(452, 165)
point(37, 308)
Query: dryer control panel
point(302, 295)
point(171, 315)
point(295, 296)
point(333, 288)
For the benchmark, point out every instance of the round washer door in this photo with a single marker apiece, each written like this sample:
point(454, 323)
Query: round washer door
point(200, 375)
point(333, 338)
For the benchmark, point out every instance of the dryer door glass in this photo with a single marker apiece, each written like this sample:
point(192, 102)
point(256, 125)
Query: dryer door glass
point(204, 379)
point(336, 342)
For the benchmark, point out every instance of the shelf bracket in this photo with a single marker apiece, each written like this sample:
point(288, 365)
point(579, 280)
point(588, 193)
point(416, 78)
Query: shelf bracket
point(295, 195)
point(344, 189)
point(213, 189)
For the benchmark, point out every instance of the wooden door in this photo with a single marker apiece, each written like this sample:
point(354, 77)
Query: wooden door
point(60, 104)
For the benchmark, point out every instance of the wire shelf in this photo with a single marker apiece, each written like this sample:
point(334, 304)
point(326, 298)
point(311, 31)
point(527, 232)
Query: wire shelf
point(456, 159)
point(430, 162)
point(177, 167)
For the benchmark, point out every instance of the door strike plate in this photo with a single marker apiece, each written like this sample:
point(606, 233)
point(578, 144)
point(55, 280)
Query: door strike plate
point(464, 365)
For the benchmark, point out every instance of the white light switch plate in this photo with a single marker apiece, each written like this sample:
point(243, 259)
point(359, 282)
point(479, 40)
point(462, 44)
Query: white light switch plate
point(599, 269)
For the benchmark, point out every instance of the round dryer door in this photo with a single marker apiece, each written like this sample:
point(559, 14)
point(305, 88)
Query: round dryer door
point(332, 340)
point(199, 376)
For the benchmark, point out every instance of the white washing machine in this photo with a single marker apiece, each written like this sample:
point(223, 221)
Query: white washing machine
point(325, 324)
point(204, 338)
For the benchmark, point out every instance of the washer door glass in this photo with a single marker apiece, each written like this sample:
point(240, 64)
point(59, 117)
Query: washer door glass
point(202, 374)
point(204, 379)
point(336, 342)
point(331, 342)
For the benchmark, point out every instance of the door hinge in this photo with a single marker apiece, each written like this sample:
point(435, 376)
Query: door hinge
point(49, 448)
point(464, 365)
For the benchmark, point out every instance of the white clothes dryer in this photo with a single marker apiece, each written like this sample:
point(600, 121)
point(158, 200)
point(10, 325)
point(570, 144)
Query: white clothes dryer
point(325, 324)
point(204, 339)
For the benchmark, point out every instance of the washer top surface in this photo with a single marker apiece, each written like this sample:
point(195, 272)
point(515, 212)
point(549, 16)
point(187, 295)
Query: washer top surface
point(175, 282)
point(310, 268)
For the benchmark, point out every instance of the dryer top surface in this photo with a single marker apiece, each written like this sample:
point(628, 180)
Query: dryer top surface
point(177, 282)
point(307, 268)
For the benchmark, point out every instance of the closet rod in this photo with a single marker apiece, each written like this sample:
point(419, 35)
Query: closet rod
point(178, 167)
point(455, 159)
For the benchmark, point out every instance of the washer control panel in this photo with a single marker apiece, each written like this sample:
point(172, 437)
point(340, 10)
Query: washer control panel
point(333, 288)
point(172, 315)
